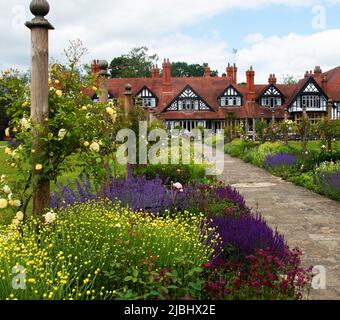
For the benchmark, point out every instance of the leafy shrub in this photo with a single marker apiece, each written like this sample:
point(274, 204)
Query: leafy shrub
point(305, 180)
point(282, 164)
point(179, 172)
point(100, 251)
point(237, 147)
point(327, 179)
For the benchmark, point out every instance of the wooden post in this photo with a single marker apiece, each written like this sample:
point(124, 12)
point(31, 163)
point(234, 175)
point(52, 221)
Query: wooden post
point(285, 137)
point(329, 124)
point(254, 129)
point(39, 27)
point(103, 81)
point(127, 99)
point(127, 109)
point(304, 127)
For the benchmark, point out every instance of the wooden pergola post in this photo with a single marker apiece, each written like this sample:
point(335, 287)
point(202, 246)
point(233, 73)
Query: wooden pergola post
point(39, 27)
point(127, 99)
point(304, 128)
point(127, 109)
point(285, 135)
point(329, 124)
point(103, 81)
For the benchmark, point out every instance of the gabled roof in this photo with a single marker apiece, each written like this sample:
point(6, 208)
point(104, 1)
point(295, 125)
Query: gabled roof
point(227, 88)
point(267, 88)
point(210, 90)
point(301, 85)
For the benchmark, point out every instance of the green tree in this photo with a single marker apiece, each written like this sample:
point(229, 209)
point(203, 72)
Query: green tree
point(183, 69)
point(137, 63)
point(289, 79)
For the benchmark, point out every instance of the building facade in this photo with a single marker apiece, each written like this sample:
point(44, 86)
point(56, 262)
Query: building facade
point(207, 101)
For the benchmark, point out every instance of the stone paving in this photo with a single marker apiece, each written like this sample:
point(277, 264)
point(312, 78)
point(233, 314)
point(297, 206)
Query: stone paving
point(307, 220)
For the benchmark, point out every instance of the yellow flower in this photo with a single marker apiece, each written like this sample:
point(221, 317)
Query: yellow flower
point(86, 144)
point(38, 167)
point(110, 111)
point(94, 88)
point(8, 151)
point(59, 93)
point(19, 216)
point(3, 203)
point(7, 132)
point(25, 104)
point(33, 151)
point(84, 108)
point(56, 81)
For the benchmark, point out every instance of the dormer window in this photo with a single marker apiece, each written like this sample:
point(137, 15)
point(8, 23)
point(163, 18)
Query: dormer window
point(147, 98)
point(230, 98)
point(310, 97)
point(271, 98)
point(188, 100)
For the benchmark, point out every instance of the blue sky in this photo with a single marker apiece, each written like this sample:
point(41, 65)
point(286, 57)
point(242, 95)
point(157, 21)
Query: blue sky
point(275, 36)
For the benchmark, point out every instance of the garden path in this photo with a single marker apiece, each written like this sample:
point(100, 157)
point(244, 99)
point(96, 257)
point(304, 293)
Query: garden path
point(308, 220)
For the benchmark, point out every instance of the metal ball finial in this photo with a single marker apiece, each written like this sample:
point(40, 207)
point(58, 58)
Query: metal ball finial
point(103, 65)
point(128, 87)
point(39, 8)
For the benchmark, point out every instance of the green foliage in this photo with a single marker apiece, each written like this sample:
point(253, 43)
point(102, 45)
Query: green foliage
point(289, 79)
point(182, 173)
point(183, 69)
point(137, 63)
point(238, 147)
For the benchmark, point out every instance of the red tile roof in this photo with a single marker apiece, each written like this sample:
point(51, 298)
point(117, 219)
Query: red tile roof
point(210, 89)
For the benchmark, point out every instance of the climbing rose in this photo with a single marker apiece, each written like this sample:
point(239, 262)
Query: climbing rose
point(62, 133)
point(6, 189)
point(3, 203)
point(19, 216)
point(94, 146)
point(59, 93)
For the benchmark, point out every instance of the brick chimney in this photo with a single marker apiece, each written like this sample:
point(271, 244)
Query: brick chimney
point(167, 87)
point(250, 84)
point(324, 82)
point(230, 73)
point(155, 72)
point(317, 73)
point(272, 79)
point(207, 71)
point(234, 74)
point(95, 67)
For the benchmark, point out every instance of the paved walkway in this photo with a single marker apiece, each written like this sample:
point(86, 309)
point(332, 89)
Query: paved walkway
point(307, 220)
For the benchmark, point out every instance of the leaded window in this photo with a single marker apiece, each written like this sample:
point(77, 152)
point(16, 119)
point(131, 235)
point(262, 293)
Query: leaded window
point(310, 97)
point(271, 98)
point(230, 98)
point(188, 100)
point(147, 98)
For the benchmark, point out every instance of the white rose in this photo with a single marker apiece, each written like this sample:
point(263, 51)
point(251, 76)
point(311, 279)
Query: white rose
point(6, 189)
point(19, 216)
point(2, 178)
point(50, 217)
point(25, 123)
point(94, 147)
point(17, 203)
point(62, 133)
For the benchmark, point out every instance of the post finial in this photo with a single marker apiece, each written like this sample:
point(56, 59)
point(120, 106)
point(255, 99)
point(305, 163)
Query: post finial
point(39, 8)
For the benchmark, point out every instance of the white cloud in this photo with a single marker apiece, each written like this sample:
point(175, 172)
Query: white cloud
point(253, 38)
point(110, 28)
point(291, 54)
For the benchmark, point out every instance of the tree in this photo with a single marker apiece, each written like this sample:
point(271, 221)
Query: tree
point(183, 69)
point(137, 63)
point(289, 79)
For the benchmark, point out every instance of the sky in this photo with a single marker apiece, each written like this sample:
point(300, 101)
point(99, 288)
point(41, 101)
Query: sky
point(284, 37)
